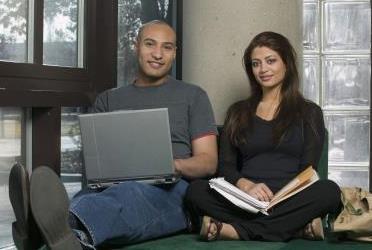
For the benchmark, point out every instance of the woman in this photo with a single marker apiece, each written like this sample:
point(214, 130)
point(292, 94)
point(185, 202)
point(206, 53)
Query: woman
point(267, 140)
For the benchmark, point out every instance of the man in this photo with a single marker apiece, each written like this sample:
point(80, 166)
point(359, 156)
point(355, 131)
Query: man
point(131, 212)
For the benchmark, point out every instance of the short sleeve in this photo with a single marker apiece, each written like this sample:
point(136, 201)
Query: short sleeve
point(201, 117)
point(101, 103)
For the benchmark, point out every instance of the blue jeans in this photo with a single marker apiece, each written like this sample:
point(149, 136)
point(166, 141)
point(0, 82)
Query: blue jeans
point(131, 212)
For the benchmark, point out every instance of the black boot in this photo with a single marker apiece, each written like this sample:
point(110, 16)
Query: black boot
point(26, 235)
point(49, 205)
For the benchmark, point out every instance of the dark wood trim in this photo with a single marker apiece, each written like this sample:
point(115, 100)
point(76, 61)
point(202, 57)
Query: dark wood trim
point(107, 63)
point(27, 70)
point(102, 44)
point(24, 98)
point(14, 84)
point(38, 32)
point(46, 138)
point(58, 86)
point(91, 39)
point(179, 30)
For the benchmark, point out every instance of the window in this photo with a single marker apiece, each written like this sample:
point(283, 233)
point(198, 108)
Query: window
point(61, 33)
point(13, 26)
point(71, 150)
point(337, 73)
point(65, 61)
point(11, 120)
point(51, 55)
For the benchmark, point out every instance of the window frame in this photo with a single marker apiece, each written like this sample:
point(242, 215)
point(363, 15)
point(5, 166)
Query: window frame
point(45, 89)
point(35, 84)
point(321, 54)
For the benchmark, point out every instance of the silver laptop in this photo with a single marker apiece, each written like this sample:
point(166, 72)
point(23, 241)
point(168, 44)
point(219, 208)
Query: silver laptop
point(127, 145)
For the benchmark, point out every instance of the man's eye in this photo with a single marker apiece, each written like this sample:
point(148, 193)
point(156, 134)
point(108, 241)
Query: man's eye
point(149, 44)
point(168, 47)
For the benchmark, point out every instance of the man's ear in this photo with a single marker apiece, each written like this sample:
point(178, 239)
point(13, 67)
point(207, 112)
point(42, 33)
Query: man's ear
point(136, 46)
point(175, 53)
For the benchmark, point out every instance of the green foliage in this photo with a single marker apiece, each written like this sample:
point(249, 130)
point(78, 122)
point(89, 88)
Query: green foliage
point(13, 14)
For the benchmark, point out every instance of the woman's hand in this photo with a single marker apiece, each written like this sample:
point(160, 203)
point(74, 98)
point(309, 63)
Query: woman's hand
point(257, 190)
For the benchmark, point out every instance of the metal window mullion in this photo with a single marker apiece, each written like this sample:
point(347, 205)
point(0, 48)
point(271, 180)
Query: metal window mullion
point(348, 166)
point(81, 34)
point(30, 30)
point(321, 71)
point(346, 111)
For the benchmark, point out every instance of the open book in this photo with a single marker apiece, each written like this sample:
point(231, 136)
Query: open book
point(247, 202)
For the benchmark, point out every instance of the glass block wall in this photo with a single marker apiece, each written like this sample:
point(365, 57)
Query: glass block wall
point(337, 73)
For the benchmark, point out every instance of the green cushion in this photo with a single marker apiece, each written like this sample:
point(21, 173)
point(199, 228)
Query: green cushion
point(189, 241)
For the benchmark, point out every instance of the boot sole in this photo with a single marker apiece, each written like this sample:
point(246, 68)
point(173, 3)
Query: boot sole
point(49, 205)
point(24, 231)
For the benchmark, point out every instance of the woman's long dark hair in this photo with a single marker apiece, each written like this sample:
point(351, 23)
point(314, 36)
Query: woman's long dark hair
point(240, 116)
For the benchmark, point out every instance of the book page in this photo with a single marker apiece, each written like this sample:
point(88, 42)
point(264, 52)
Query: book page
point(237, 202)
point(229, 188)
point(236, 192)
point(248, 203)
point(299, 183)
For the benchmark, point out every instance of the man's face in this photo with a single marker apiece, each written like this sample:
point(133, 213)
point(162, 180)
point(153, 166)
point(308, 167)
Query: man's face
point(156, 50)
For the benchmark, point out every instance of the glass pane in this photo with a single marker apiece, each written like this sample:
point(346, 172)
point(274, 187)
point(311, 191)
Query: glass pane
point(310, 26)
point(71, 154)
point(10, 152)
point(347, 82)
point(350, 178)
point(13, 30)
point(348, 137)
point(131, 15)
point(310, 87)
point(60, 32)
point(347, 26)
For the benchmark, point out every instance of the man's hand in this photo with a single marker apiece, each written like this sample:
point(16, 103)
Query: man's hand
point(257, 190)
point(177, 166)
point(203, 161)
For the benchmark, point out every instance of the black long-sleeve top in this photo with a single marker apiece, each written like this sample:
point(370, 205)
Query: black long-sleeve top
point(260, 160)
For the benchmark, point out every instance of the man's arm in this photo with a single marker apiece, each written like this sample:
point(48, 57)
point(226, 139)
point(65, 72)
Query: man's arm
point(203, 161)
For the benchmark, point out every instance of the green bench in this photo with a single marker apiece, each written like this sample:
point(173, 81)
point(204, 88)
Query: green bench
point(189, 241)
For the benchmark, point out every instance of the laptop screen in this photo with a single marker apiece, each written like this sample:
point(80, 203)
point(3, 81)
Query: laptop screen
point(128, 144)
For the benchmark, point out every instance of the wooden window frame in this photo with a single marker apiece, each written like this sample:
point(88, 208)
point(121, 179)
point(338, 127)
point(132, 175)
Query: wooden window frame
point(38, 85)
point(45, 89)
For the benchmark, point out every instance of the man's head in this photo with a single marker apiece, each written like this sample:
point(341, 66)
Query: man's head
point(156, 50)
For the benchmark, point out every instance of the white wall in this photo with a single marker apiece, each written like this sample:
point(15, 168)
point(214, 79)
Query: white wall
point(215, 35)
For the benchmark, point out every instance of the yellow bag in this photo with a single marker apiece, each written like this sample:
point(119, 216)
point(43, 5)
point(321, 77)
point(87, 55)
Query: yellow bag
point(355, 220)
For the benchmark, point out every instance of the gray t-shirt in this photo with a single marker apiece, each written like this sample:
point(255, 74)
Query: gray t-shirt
point(189, 108)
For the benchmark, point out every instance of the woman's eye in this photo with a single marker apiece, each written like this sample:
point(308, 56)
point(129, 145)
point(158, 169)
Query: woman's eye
point(271, 61)
point(255, 64)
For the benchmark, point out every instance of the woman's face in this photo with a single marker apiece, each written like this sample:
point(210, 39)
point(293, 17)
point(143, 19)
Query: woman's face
point(268, 68)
